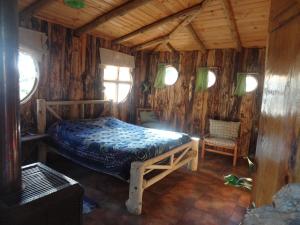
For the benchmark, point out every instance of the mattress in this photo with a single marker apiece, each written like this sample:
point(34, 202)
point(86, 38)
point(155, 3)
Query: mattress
point(109, 145)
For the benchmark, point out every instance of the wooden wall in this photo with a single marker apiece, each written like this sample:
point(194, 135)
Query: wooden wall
point(189, 111)
point(278, 147)
point(70, 71)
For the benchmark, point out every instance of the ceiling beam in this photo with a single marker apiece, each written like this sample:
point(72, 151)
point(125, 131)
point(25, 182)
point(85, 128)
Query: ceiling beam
point(34, 7)
point(196, 38)
point(156, 41)
point(156, 47)
point(232, 24)
point(182, 24)
point(170, 47)
point(179, 15)
point(165, 39)
point(116, 12)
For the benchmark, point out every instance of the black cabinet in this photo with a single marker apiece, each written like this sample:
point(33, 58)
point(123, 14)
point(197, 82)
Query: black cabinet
point(47, 198)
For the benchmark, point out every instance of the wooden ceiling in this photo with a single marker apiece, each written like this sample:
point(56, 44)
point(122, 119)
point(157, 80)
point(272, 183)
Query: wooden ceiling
point(162, 24)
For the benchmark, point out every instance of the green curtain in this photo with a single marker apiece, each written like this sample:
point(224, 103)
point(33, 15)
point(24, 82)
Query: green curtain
point(241, 84)
point(160, 77)
point(202, 79)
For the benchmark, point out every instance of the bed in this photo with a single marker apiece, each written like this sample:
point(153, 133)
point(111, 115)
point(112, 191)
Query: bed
point(141, 156)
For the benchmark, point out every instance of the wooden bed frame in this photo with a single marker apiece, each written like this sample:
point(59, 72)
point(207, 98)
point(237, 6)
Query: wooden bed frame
point(186, 154)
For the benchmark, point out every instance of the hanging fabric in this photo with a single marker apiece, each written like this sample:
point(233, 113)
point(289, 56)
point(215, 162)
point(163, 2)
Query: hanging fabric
point(241, 84)
point(202, 79)
point(115, 58)
point(160, 77)
point(33, 42)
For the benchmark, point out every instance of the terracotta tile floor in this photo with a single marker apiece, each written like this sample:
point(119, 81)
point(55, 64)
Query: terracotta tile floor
point(182, 198)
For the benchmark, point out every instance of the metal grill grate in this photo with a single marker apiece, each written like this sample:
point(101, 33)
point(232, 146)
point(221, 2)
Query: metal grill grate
point(37, 183)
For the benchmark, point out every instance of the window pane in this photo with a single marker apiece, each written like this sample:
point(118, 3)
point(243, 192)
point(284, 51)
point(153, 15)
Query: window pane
point(171, 75)
point(123, 91)
point(111, 73)
point(124, 74)
point(28, 73)
point(211, 78)
point(251, 83)
point(110, 91)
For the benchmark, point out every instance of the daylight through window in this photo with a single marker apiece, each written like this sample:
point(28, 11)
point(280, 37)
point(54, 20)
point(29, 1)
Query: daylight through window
point(117, 83)
point(211, 78)
point(171, 75)
point(251, 83)
point(28, 75)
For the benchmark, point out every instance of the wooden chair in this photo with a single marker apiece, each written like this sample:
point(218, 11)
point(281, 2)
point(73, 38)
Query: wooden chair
point(222, 139)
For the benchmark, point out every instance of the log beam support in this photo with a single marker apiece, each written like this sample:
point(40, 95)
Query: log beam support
point(177, 16)
point(170, 47)
point(232, 24)
point(116, 12)
point(196, 38)
point(160, 40)
point(165, 39)
point(34, 7)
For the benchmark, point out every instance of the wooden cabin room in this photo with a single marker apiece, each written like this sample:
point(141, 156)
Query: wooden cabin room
point(149, 112)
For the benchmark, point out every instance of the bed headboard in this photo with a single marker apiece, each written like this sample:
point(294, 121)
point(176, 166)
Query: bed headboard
point(43, 106)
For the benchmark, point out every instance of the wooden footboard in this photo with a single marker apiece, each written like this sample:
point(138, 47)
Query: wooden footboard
point(168, 162)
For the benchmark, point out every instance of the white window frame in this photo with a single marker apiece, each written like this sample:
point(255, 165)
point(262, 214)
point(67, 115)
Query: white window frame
point(117, 82)
point(37, 79)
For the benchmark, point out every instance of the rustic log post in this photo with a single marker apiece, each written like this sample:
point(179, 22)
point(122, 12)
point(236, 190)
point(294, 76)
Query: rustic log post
point(41, 115)
point(41, 128)
point(82, 111)
point(136, 188)
point(193, 165)
point(10, 168)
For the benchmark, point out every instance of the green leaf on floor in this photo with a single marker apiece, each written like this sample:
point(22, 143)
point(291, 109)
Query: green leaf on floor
point(243, 182)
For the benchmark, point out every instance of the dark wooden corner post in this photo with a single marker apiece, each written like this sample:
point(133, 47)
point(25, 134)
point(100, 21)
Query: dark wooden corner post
point(10, 168)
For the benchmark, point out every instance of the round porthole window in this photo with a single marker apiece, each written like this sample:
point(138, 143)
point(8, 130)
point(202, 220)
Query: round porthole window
point(211, 78)
point(251, 83)
point(117, 82)
point(28, 76)
point(171, 75)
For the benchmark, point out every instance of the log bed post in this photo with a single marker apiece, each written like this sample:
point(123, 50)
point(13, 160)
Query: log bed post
point(188, 154)
point(193, 165)
point(136, 188)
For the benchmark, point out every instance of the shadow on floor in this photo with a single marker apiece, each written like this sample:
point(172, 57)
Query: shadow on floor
point(219, 166)
point(182, 198)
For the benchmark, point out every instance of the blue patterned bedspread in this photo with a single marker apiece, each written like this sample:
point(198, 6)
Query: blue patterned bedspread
point(109, 145)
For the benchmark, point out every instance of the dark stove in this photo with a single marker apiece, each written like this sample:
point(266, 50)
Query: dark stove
point(47, 198)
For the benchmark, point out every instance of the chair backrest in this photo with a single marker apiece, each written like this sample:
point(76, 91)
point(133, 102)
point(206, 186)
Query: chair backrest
point(224, 129)
point(151, 114)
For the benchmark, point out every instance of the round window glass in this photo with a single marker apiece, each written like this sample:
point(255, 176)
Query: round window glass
point(28, 76)
point(171, 75)
point(211, 78)
point(251, 83)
